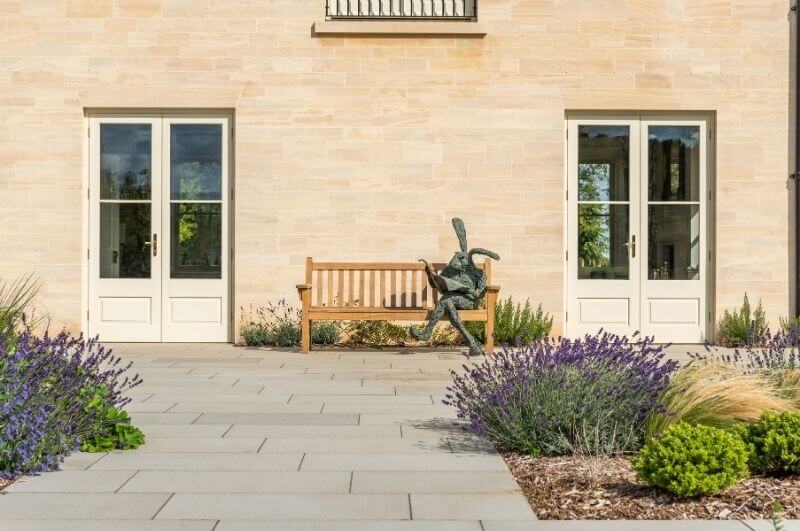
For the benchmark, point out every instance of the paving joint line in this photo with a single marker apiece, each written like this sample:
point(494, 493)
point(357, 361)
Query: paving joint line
point(126, 482)
point(163, 505)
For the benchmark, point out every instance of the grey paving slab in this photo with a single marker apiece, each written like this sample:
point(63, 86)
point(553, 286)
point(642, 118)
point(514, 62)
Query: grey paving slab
point(182, 430)
point(73, 481)
point(329, 432)
point(361, 399)
point(348, 525)
point(287, 506)
point(253, 406)
point(231, 482)
point(221, 398)
point(404, 462)
point(81, 460)
point(197, 461)
point(433, 482)
point(148, 419)
point(151, 406)
point(764, 525)
point(200, 444)
point(470, 506)
point(348, 446)
point(427, 410)
point(66, 506)
point(107, 525)
point(300, 419)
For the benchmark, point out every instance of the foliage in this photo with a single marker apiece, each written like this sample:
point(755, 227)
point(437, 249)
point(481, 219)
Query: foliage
point(743, 326)
point(593, 236)
point(15, 299)
point(775, 517)
point(43, 413)
point(375, 334)
point(693, 460)
point(514, 323)
point(111, 429)
point(775, 441)
point(589, 395)
point(325, 332)
point(718, 394)
point(278, 325)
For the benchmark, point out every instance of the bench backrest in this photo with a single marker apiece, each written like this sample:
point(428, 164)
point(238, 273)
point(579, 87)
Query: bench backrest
point(374, 285)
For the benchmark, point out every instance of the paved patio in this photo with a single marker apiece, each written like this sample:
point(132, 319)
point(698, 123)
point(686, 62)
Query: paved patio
point(244, 439)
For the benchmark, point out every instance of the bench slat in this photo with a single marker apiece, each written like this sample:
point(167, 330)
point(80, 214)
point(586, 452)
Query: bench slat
point(374, 314)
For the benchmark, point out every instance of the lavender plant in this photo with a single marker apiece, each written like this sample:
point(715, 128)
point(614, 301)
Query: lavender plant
point(589, 395)
point(43, 397)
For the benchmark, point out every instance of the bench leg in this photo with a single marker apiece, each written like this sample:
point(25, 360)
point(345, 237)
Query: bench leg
point(491, 300)
point(305, 324)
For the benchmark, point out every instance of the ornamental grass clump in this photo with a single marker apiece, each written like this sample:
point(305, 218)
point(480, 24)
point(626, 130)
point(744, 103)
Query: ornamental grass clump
point(44, 397)
point(589, 395)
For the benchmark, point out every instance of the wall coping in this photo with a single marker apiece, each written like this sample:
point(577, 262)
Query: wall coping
point(398, 27)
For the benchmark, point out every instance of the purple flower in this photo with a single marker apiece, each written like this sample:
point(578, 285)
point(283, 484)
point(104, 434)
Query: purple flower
point(590, 395)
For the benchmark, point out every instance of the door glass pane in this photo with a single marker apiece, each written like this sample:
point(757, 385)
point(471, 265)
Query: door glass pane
point(196, 244)
point(124, 231)
point(603, 162)
point(125, 165)
point(196, 161)
point(674, 163)
point(673, 242)
point(602, 234)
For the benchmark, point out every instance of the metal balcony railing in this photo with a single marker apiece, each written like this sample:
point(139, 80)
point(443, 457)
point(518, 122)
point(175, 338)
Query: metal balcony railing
point(402, 9)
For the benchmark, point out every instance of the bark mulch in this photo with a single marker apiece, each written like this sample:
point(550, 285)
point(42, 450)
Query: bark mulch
point(5, 483)
point(594, 488)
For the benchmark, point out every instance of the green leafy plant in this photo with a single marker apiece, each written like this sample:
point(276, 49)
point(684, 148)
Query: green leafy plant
point(775, 517)
point(325, 332)
point(278, 325)
point(375, 334)
point(775, 443)
point(111, 429)
point(744, 326)
point(514, 321)
point(693, 460)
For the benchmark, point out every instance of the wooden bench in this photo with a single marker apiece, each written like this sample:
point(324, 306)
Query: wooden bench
point(355, 291)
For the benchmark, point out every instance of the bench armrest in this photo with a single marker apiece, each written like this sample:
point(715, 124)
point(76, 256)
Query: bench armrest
point(495, 289)
point(303, 287)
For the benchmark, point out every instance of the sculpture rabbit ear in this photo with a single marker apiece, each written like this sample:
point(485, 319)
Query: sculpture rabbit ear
point(461, 233)
point(484, 252)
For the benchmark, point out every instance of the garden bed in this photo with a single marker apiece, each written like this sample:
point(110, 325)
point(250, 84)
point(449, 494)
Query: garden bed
point(595, 488)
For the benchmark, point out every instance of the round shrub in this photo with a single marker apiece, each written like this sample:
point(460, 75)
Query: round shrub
point(690, 460)
point(775, 443)
point(325, 333)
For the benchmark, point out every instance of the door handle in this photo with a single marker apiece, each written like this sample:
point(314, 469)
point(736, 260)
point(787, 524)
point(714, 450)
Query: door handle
point(153, 244)
point(631, 245)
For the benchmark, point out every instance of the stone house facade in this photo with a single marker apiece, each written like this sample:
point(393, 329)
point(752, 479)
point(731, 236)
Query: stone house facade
point(357, 139)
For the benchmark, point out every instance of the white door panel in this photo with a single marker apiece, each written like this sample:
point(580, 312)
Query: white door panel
point(158, 229)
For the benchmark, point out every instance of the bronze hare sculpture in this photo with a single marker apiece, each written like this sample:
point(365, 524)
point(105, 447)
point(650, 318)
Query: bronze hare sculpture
point(461, 284)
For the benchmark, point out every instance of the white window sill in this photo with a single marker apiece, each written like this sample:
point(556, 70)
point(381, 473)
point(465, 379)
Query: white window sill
point(398, 27)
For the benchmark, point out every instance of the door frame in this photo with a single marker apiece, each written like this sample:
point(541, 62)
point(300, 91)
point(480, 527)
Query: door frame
point(90, 113)
point(710, 201)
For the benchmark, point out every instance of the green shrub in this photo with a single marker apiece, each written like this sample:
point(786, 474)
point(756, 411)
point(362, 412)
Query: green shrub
point(375, 334)
point(325, 333)
point(689, 460)
point(255, 334)
point(514, 321)
point(775, 443)
point(743, 326)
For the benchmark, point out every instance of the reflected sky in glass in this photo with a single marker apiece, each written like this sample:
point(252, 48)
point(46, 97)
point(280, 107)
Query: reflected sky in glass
point(196, 162)
point(125, 165)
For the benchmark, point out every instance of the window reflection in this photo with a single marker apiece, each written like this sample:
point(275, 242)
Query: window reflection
point(674, 163)
point(603, 163)
point(196, 161)
point(196, 250)
point(125, 165)
point(674, 242)
point(602, 235)
point(124, 233)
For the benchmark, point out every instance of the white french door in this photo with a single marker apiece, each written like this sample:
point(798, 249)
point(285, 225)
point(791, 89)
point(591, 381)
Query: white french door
point(158, 228)
point(637, 208)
